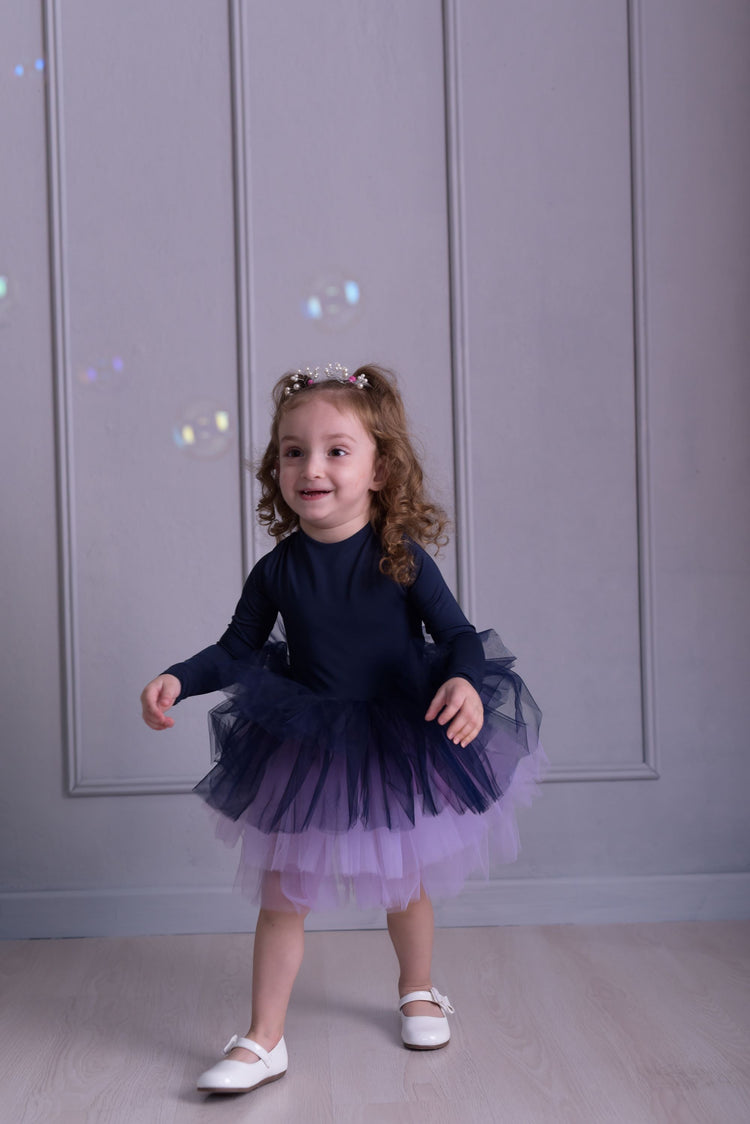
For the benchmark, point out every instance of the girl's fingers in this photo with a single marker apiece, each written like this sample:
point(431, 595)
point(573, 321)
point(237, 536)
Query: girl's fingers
point(462, 734)
point(160, 723)
point(464, 729)
point(444, 707)
point(457, 706)
point(436, 706)
point(448, 712)
point(155, 719)
point(157, 697)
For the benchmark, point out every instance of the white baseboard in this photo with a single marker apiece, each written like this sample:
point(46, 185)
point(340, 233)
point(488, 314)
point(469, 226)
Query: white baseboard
point(511, 901)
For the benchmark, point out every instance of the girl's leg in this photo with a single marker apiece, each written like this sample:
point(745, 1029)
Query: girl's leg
point(277, 955)
point(412, 930)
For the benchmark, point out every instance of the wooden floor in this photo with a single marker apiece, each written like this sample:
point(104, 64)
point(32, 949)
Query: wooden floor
point(629, 1024)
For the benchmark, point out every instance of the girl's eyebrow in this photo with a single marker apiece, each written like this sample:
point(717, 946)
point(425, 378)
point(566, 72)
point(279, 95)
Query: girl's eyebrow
point(326, 437)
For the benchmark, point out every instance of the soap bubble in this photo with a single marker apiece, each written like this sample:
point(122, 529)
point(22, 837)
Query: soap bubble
point(7, 293)
point(333, 301)
point(20, 69)
point(204, 430)
point(101, 373)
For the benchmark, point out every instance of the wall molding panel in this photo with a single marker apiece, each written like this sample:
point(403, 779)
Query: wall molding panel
point(460, 357)
point(574, 772)
point(244, 269)
point(82, 779)
point(644, 480)
point(61, 368)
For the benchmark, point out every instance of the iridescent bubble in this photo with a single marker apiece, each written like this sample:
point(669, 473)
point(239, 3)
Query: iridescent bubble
point(21, 69)
point(101, 373)
point(6, 296)
point(334, 300)
point(204, 430)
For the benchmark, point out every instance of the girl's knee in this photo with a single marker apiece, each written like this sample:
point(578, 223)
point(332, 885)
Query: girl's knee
point(274, 900)
point(416, 903)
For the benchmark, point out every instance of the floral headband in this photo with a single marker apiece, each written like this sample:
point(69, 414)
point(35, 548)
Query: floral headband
point(332, 372)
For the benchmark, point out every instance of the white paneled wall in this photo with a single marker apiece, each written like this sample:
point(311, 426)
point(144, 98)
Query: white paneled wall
point(146, 359)
point(551, 350)
point(536, 213)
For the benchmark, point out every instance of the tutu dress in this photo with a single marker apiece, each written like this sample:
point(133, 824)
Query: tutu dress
point(325, 769)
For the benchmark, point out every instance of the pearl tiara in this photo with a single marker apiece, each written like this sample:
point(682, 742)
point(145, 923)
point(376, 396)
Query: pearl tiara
point(332, 372)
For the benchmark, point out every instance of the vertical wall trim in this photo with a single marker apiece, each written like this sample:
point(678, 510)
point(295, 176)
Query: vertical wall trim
point(640, 342)
point(243, 268)
point(459, 336)
point(77, 782)
point(61, 384)
point(646, 768)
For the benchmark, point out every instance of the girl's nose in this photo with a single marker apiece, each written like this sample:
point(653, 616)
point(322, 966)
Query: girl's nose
point(315, 465)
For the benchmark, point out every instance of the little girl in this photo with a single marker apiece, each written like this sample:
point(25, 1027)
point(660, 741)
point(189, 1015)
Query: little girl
point(355, 762)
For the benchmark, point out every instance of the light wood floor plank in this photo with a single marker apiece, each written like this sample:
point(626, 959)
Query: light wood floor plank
point(621, 1024)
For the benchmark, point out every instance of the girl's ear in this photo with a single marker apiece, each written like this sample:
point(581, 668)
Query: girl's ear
point(379, 474)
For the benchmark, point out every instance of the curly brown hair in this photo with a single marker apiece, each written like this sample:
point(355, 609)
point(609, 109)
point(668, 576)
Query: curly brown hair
point(400, 509)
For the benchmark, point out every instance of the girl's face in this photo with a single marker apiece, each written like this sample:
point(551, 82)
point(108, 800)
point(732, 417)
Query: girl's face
point(328, 467)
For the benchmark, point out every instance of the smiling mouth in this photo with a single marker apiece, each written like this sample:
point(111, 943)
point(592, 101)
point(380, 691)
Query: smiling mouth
point(313, 493)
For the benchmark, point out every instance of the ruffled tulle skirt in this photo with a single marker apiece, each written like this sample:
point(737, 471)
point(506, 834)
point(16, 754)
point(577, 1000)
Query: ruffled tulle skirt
point(348, 801)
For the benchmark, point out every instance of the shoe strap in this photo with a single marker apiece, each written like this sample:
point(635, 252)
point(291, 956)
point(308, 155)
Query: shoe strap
point(248, 1044)
point(431, 996)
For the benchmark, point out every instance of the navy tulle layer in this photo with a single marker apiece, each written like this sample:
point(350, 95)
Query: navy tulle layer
point(364, 800)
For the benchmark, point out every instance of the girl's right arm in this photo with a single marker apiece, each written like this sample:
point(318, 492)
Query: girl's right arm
point(213, 667)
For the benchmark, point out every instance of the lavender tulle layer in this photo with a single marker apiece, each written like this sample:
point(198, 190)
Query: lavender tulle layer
point(338, 802)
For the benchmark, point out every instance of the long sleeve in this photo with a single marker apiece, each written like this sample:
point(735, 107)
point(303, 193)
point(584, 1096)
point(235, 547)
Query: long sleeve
point(215, 667)
point(445, 621)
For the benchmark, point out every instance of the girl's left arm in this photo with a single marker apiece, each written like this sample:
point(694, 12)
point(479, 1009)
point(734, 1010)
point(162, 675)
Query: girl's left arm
point(456, 702)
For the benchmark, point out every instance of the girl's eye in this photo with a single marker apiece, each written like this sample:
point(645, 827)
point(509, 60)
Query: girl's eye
point(337, 452)
point(292, 453)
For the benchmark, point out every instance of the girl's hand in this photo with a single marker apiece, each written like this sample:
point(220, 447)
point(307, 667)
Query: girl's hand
point(156, 697)
point(457, 700)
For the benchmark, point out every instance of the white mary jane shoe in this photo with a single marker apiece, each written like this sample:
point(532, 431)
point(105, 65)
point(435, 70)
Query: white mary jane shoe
point(425, 1032)
point(240, 1077)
